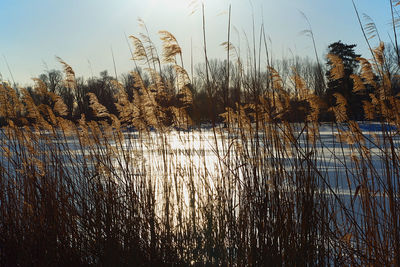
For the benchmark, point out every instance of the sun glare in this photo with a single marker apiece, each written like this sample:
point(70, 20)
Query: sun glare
point(172, 3)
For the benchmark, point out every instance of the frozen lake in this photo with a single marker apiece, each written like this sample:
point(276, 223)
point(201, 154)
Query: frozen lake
point(207, 158)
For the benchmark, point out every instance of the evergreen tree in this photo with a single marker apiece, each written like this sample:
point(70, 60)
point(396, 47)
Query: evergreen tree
point(344, 85)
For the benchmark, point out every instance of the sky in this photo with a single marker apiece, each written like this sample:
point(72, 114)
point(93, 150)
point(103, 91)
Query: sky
point(84, 32)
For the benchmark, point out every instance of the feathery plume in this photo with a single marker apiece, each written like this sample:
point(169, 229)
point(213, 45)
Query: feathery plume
point(358, 83)
point(59, 106)
point(124, 106)
point(31, 109)
point(379, 53)
point(99, 110)
point(52, 117)
point(138, 81)
point(337, 71)
point(366, 71)
point(151, 51)
point(158, 84)
point(139, 52)
point(370, 27)
point(277, 82)
point(40, 87)
point(171, 47)
point(315, 105)
point(182, 77)
point(368, 110)
point(70, 81)
point(231, 47)
point(300, 85)
point(67, 126)
point(185, 96)
point(181, 118)
point(340, 108)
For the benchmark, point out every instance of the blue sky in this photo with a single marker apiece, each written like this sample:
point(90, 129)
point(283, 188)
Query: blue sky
point(82, 32)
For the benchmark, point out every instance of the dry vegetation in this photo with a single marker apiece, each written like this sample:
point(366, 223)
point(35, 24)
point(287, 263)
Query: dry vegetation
point(80, 193)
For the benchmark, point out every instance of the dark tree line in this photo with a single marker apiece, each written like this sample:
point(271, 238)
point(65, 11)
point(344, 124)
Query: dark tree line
point(244, 85)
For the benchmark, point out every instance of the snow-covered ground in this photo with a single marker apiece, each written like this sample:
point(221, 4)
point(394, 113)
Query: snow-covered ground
point(206, 155)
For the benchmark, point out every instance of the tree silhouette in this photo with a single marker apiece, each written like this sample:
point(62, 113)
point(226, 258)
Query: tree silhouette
point(343, 85)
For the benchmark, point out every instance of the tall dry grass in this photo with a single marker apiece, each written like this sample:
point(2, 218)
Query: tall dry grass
point(93, 193)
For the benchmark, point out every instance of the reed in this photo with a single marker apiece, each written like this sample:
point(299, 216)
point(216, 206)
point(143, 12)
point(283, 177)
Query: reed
point(274, 192)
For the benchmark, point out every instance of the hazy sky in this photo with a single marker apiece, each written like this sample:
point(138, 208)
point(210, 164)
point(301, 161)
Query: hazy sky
point(82, 32)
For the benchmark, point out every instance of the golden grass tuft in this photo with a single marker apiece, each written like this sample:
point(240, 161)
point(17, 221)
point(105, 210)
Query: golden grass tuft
point(171, 47)
point(139, 49)
point(300, 86)
point(369, 110)
point(315, 105)
point(337, 71)
point(358, 83)
point(59, 106)
point(340, 109)
point(277, 82)
point(70, 81)
point(367, 73)
point(98, 109)
point(40, 87)
point(379, 54)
